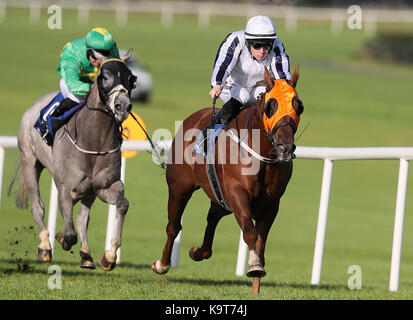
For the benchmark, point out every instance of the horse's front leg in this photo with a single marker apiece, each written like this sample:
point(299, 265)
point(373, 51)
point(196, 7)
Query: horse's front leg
point(114, 195)
point(263, 226)
point(69, 237)
point(242, 210)
point(82, 221)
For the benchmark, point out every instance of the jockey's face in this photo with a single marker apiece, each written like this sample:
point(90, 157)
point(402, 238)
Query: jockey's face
point(95, 62)
point(96, 57)
point(259, 54)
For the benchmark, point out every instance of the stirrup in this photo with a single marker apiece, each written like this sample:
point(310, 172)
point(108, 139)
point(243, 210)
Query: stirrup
point(45, 134)
point(47, 138)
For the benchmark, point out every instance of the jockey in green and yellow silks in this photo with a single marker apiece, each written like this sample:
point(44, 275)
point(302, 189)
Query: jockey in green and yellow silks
point(78, 66)
point(80, 59)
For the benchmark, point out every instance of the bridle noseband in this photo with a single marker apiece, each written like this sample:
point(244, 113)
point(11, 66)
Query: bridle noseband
point(270, 135)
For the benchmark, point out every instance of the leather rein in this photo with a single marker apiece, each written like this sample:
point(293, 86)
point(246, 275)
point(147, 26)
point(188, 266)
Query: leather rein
point(269, 135)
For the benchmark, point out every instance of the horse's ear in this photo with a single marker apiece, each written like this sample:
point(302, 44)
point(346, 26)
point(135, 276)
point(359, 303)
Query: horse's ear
point(127, 55)
point(269, 82)
point(294, 77)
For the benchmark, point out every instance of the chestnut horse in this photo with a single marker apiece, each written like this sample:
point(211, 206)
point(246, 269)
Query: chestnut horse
point(250, 196)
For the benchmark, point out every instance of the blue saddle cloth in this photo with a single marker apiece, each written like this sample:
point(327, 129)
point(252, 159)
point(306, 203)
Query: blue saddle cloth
point(54, 123)
point(201, 140)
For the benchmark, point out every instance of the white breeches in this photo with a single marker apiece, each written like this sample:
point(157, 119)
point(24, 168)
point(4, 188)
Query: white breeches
point(244, 95)
point(67, 94)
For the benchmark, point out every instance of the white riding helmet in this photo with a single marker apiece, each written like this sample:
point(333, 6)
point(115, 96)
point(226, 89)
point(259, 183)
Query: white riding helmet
point(260, 27)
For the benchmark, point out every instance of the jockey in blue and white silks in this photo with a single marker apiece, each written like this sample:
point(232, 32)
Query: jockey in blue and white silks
point(240, 64)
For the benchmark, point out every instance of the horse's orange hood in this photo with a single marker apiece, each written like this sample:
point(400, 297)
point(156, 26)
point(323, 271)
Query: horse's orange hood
point(284, 94)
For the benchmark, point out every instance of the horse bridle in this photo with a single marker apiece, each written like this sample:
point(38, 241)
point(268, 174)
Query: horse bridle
point(270, 134)
point(106, 99)
point(110, 102)
point(110, 108)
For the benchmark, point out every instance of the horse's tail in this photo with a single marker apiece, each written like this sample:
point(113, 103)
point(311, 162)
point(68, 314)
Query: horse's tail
point(22, 196)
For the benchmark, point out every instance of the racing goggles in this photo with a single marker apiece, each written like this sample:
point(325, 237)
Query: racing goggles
point(258, 45)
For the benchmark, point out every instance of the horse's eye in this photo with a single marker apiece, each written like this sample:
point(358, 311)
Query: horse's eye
point(107, 79)
point(271, 107)
point(298, 105)
point(132, 81)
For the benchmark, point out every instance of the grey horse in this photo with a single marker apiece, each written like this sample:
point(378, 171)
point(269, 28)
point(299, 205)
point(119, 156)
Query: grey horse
point(85, 160)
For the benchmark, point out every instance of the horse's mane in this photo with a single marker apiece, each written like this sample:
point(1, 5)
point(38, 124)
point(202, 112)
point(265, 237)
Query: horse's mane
point(90, 90)
point(261, 98)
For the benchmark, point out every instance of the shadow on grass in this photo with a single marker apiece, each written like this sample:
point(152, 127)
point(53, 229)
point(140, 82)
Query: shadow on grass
point(28, 266)
point(248, 283)
point(10, 267)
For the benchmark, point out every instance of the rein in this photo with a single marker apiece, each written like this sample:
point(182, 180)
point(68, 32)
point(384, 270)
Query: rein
point(251, 151)
point(74, 141)
point(107, 112)
point(96, 153)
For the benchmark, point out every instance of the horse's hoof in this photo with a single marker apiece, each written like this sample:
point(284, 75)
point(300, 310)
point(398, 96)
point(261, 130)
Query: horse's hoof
point(197, 254)
point(67, 241)
point(256, 271)
point(106, 265)
point(158, 268)
point(44, 254)
point(87, 261)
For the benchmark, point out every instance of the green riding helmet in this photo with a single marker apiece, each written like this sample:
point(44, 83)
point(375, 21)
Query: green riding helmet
point(100, 39)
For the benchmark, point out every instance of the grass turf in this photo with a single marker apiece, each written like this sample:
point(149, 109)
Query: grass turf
point(348, 102)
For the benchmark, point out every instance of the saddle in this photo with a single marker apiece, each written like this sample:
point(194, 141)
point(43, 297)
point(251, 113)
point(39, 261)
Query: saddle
point(47, 124)
point(206, 147)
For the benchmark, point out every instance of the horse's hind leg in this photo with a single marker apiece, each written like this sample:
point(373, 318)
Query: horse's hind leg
point(82, 221)
point(215, 213)
point(177, 201)
point(114, 195)
point(31, 170)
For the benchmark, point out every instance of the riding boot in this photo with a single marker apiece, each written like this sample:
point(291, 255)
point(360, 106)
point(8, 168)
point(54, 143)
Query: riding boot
point(228, 111)
point(65, 105)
